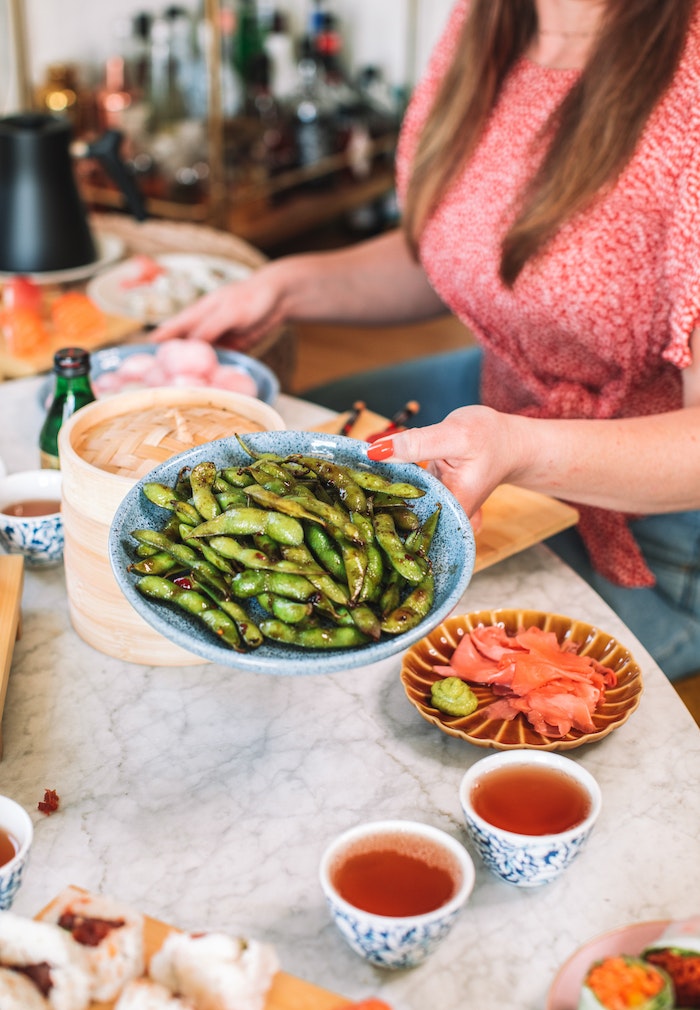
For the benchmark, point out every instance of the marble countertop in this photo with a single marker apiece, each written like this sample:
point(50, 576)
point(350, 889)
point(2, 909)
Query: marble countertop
point(204, 796)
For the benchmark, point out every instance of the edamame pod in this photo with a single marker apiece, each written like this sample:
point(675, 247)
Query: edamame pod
point(205, 610)
point(413, 609)
point(247, 521)
point(313, 638)
point(395, 549)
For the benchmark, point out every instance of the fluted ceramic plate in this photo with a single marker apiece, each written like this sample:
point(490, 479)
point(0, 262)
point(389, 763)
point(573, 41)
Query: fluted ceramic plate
point(630, 941)
point(436, 649)
point(452, 553)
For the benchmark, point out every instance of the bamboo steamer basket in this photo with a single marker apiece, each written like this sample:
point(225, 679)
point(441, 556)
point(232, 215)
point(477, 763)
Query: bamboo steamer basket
point(104, 449)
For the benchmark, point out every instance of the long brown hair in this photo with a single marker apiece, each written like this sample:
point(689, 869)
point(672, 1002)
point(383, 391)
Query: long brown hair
point(592, 134)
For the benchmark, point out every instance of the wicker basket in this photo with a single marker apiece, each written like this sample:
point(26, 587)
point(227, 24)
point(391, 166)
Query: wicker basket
point(104, 449)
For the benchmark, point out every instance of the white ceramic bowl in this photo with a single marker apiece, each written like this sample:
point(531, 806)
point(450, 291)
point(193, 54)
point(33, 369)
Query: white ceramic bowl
point(38, 538)
point(397, 941)
point(15, 821)
point(528, 860)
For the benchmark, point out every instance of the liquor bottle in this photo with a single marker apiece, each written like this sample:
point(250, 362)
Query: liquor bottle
point(279, 46)
point(71, 367)
point(248, 46)
point(312, 110)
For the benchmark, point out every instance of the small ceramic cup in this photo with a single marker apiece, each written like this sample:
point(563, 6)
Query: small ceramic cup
point(527, 853)
point(392, 862)
point(39, 538)
point(17, 834)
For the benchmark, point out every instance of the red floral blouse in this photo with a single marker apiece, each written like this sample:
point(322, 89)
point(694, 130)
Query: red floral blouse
point(599, 325)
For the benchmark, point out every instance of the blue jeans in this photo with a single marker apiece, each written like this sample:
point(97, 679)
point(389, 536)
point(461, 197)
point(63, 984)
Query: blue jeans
point(665, 618)
point(440, 383)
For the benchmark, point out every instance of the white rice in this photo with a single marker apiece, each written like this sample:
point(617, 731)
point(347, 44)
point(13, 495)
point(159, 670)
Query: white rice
point(215, 971)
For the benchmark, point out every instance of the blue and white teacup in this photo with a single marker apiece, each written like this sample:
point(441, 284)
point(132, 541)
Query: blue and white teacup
point(398, 940)
point(17, 836)
point(528, 859)
point(37, 537)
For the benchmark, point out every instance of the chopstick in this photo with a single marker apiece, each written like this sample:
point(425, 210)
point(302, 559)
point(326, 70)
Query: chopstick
point(352, 418)
point(398, 421)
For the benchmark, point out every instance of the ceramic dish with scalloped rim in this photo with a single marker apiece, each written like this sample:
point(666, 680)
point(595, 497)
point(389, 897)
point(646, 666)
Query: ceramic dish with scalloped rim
point(436, 649)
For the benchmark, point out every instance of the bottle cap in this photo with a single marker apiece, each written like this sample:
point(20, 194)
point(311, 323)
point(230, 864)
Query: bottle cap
point(71, 361)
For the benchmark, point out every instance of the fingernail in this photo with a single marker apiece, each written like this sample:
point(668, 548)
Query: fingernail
point(382, 449)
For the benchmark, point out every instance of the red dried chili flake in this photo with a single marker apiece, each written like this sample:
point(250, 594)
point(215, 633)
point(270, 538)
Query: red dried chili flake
point(183, 581)
point(50, 802)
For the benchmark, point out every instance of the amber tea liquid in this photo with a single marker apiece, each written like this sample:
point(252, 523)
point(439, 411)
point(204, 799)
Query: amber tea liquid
point(396, 875)
point(9, 847)
point(530, 800)
point(32, 507)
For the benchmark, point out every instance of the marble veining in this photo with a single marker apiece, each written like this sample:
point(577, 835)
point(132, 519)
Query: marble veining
point(205, 796)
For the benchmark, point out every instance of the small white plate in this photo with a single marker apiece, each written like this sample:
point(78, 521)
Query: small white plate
point(108, 291)
point(109, 249)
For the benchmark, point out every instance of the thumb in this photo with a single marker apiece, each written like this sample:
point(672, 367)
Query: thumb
point(414, 445)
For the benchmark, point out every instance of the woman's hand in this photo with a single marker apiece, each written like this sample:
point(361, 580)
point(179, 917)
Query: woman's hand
point(236, 315)
point(472, 451)
point(641, 465)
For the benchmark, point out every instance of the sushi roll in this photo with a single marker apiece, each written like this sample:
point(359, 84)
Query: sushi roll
point(215, 971)
point(18, 992)
point(623, 983)
point(49, 957)
point(143, 994)
point(677, 951)
point(110, 934)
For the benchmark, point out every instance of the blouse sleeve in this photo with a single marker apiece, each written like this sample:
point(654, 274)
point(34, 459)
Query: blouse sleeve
point(424, 94)
point(683, 254)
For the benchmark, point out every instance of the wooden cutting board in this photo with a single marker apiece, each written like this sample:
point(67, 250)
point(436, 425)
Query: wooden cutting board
point(13, 366)
point(11, 582)
point(512, 519)
point(286, 993)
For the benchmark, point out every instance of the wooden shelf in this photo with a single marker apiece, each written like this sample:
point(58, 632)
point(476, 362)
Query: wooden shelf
point(278, 208)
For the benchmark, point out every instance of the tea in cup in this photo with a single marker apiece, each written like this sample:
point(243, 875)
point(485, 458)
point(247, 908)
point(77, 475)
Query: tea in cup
point(31, 523)
point(395, 889)
point(528, 813)
point(16, 835)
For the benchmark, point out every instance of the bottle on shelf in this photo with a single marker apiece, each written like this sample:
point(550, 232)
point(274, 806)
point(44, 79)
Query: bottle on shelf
point(279, 46)
point(167, 104)
point(138, 53)
point(61, 94)
point(114, 98)
point(249, 57)
point(312, 110)
point(72, 390)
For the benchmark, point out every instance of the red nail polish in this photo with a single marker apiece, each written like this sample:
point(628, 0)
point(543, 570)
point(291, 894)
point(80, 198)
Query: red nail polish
point(381, 450)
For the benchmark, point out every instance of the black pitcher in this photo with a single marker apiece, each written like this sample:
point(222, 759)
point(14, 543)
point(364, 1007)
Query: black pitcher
point(43, 221)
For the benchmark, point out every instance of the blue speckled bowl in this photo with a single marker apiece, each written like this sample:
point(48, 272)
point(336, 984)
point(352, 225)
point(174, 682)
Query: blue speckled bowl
point(452, 554)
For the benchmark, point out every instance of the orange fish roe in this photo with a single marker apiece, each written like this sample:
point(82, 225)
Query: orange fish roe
point(622, 983)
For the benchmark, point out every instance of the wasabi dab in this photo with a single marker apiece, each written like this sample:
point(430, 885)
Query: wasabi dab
point(453, 697)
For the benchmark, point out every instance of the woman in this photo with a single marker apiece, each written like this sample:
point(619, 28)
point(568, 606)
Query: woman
point(548, 173)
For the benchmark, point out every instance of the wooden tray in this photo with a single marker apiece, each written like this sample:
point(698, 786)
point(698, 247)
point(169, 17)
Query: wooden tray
point(512, 519)
point(287, 992)
point(11, 582)
point(12, 366)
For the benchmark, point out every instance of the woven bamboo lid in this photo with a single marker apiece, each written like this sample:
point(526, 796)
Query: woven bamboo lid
point(109, 444)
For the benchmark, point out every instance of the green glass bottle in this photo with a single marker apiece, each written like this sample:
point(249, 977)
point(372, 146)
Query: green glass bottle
point(72, 391)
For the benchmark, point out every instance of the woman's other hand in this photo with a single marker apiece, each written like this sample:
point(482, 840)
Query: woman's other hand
point(235, 315)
